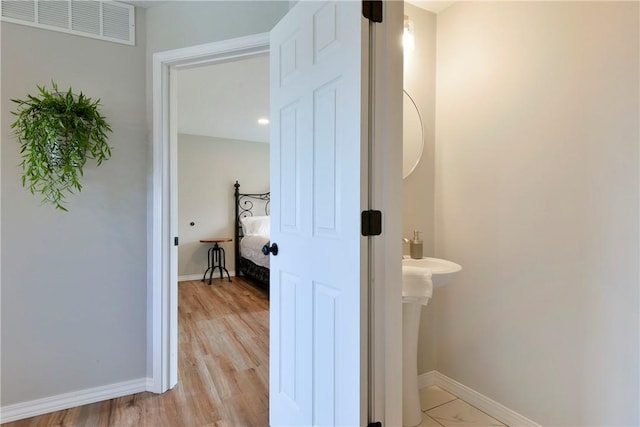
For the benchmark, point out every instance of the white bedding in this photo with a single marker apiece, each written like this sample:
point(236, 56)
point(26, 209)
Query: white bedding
point(251, 249)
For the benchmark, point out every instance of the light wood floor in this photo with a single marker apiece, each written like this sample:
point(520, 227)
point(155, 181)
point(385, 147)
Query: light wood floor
point(223, 367)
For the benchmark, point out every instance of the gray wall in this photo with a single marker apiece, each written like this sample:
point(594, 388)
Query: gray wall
point(74, 284)
point(207, 170)
point(179, 24)
point(537, 198)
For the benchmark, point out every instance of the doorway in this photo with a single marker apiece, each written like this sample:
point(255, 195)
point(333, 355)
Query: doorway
point(222, 139)
point(223, 323)
point(162, 283)
point(385, 164)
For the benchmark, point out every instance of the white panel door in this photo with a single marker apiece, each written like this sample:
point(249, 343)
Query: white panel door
point(317, 141)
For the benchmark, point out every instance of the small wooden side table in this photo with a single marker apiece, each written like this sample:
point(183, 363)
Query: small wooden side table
point(216, 257)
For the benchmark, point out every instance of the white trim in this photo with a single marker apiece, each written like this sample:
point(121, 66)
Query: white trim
point(189, 277)
point(60, 402)
point(386, 196)
point(199, 276)
point(163, 333)
point(428, 379)
point(474, 398)
point(172, 179)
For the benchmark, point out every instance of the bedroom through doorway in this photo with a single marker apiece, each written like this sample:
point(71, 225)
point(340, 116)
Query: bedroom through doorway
point(223, 320)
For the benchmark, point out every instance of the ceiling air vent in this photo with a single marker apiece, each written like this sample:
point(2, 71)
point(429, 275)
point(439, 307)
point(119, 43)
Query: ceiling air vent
point(104, 20)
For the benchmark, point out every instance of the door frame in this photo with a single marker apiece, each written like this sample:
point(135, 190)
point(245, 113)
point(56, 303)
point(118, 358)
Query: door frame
point(386, 195)
point(385, 163)
point(162, 281)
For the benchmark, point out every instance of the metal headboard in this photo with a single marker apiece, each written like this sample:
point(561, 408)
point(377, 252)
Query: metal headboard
point(245, 204)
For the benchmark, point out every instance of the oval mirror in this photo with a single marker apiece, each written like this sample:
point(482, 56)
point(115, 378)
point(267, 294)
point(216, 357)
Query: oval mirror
point(412, 135)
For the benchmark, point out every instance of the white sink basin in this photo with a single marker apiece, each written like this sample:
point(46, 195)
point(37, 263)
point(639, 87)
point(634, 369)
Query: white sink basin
point(442, 271)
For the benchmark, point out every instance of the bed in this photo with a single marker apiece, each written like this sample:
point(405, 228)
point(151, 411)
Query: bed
point(251, 233)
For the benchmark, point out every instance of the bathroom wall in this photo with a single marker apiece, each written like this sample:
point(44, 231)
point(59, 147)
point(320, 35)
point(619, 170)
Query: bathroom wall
point(537, 187)
point(420, 83)
point(207, 169)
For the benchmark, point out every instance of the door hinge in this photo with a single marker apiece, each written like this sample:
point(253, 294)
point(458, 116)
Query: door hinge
point(372, 10)
point(371, 223)
point(375, 424)
point(175, 241)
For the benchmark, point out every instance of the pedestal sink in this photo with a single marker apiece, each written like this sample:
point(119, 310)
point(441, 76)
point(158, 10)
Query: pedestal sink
point(413, 298)
point(441, 270)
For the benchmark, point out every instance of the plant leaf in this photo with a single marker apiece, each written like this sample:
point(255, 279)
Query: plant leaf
point(57, 133)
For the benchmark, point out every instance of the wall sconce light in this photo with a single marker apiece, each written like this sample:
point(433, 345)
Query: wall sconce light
point(408, 40)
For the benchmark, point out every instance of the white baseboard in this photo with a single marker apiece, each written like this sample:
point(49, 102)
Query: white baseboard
point(60, 402)
point(199, 276)
point(428, 379)
point(153, 386)
point(480, 401)
point(189, 277)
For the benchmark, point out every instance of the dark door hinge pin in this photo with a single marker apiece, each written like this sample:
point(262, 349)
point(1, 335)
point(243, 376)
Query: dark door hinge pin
point(372, 10)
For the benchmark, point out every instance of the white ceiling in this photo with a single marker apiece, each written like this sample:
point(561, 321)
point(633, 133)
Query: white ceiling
point(225, 100)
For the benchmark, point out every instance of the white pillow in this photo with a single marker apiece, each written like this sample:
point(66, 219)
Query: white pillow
point(256, 225)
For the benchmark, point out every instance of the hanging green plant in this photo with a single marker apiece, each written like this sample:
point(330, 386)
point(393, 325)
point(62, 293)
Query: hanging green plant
point(58, 132)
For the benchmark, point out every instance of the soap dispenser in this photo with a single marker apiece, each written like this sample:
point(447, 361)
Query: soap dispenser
point(415, 246)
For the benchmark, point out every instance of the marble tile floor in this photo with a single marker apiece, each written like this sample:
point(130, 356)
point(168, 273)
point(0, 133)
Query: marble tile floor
point(441, 408)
